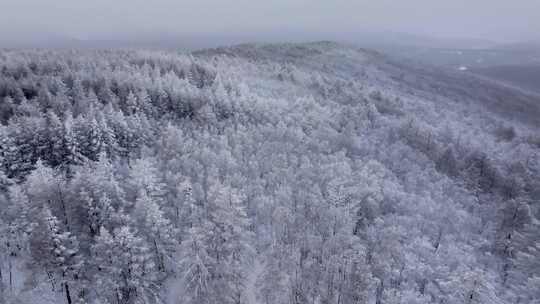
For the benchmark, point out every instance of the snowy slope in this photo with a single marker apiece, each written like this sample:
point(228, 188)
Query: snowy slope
point(282, 173)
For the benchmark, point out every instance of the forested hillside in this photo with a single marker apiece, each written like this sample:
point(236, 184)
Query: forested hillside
point(294, 173)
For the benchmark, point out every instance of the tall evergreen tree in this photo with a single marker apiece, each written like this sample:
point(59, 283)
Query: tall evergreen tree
point(125, 271)
point(57, 251)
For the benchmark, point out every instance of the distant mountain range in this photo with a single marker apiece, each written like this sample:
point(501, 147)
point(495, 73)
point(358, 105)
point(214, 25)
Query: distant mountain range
point(369, 39)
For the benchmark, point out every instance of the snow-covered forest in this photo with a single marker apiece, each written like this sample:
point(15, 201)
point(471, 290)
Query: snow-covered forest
point(263, 174)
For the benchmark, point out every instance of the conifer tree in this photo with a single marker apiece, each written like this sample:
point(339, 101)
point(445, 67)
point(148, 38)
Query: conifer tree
point(57, 251)
point(219, 246)
point(132, 104)
point(53, 151)
point(158, 229)
point(125, 271)
point(71, 146)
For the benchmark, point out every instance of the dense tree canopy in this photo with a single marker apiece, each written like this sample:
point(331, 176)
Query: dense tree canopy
point(276, 174)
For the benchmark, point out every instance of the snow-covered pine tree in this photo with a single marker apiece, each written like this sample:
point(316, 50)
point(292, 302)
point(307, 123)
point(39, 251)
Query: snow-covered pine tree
point(99, 212)
point(57, 252)
point(524, 274)
point(71, 146)
point(125, 272)
point(145, 178)
point(157, 229)
point(108, 138)
point(53, 150)
point(92, 140)
point(132, 104)
point(217, 248)
point(145, 102)
point(195, 264)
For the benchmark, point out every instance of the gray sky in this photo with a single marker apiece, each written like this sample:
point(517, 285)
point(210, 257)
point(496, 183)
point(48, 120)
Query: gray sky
point(499, 20)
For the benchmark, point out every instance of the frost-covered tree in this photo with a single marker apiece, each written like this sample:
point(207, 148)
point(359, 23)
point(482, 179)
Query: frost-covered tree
point(217, 248)
point(53, 149)
point(125, 272)
point(196, 264)
point(72, 155)
point(132, 104)
point(57, 252)
point(524, 272)
point(144, 178)
point(99, 212)
point(157, 228)
point(16, 223)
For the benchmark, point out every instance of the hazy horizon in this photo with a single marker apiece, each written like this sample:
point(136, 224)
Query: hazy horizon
point(498, 21)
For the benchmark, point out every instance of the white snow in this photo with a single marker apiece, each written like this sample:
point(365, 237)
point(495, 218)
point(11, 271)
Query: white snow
point(250, 296)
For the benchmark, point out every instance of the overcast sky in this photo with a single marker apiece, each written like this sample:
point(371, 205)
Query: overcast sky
point(500, 20)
